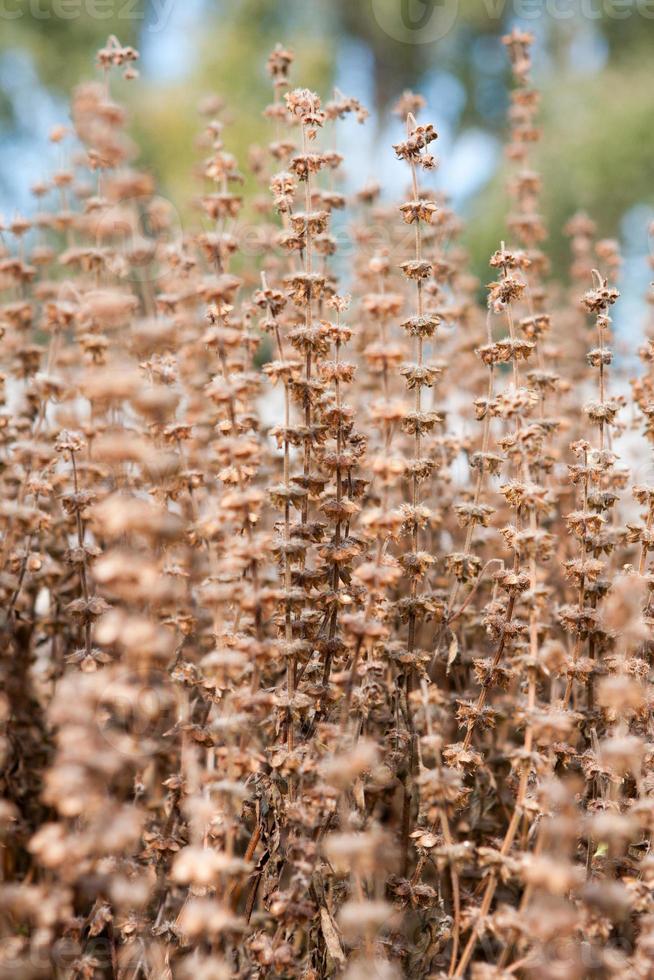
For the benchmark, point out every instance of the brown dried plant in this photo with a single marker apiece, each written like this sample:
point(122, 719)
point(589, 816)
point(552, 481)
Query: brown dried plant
point(324, 649)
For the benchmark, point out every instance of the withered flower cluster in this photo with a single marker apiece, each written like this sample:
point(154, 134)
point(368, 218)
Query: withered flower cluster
point(324, 649)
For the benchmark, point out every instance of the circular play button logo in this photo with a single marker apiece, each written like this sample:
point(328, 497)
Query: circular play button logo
point(416, 21)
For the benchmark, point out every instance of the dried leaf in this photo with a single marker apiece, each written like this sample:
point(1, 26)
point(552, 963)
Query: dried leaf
point(330, 933)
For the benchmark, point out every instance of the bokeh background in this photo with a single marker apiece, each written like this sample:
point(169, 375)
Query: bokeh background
point(593, 63)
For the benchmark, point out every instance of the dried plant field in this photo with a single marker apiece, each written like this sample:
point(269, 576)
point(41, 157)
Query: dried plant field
point(326, 572)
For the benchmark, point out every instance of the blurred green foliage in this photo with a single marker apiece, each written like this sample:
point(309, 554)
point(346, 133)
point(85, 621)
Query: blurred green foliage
point(63, 47)
point(595, 156)
point(231, 63)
